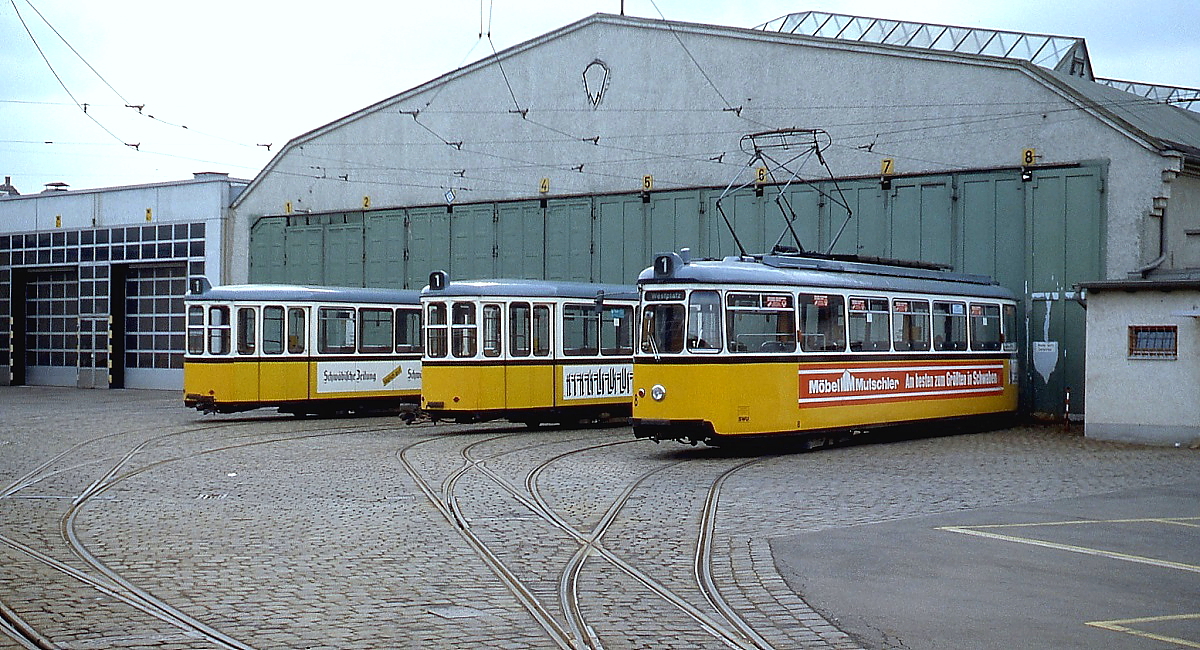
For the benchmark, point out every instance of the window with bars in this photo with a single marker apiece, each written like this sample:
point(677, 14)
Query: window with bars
point(1153, 341)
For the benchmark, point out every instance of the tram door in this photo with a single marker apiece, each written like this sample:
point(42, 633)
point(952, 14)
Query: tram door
point(283, 373)
point(249, 370)
point(530, 373)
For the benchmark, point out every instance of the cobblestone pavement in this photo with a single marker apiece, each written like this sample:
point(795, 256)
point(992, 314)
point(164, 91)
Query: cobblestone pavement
point(127, 521)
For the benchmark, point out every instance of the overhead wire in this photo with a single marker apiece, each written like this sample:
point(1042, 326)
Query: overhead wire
point(58, 77)
point(606, 140)
point(125, 102)
point(920, 125)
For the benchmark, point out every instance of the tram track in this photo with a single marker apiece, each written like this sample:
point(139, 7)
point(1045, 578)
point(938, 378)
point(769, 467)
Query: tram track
point(560, 611)
point(591, 546)
point(735, 632)
point(703, 565)
point(98, 575)
point(446, 504)
point(15, 627)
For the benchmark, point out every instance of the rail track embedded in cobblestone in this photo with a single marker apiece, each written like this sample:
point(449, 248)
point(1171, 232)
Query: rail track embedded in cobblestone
point(114, 586)
point(366, 533)
point(99, 575)
point(735, 632)
point(23, 633)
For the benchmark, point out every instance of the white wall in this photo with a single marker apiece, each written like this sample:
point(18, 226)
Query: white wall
point(663, 114)
point(1142, 400)
point(1183, 223)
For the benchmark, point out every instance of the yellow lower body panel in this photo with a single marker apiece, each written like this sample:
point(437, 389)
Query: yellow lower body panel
point(223, 383)
point(466, 388)
point(526, 392)
point(297, 384)
point(738, 399)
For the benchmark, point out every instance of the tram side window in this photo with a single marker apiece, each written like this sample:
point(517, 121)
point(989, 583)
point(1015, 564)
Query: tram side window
point(218, 330)
point(541, 330)
point(519, 322)
point(949, 326)
point(491, 330)
point(985, 327)
point(1008, 335)
point(408, 330)
point(297, 330)
point(272, 330)
point(335, 330)
point(245, 330)
point(869, 326)
point(760, 322)
point(822, 322)
point(663, 328)
point(436, 331)
point(463, 335)
point(375, 330)
point(616, 330)
point(704, 322)
point(581, 327)
point(195, 329)
point(910, 325)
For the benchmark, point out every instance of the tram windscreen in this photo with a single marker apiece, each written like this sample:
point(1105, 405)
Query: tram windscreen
point(195, 329)
point(663, 328)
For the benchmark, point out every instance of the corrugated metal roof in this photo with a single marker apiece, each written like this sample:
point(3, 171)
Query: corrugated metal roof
point(1172, 127)
point(1188, 98)
point(1158, 112)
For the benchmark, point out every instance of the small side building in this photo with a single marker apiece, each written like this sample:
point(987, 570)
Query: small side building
point(92, 281)
point(1143, 360)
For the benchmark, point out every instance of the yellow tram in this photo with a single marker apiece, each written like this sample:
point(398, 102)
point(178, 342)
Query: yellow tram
point(760, 346)
point(301, 349)
point(530, 351)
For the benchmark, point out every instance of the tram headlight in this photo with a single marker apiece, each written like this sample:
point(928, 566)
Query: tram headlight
point(658, 392)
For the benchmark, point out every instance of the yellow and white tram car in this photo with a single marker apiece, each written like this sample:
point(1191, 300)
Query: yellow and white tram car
point(771, 345)
point(529, 351)
point(301, 349)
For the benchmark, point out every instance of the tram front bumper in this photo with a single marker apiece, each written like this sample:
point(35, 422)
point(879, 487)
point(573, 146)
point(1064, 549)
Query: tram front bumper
point(690, 431)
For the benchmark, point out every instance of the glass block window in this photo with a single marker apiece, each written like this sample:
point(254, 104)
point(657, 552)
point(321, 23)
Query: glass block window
point(52, 319)
point(67, 316)
point(154, 316)
point(1153, 342)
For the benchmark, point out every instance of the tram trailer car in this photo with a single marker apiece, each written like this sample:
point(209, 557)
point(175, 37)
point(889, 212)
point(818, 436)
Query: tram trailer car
point(305, 350)
point(527, 351)
point(814, 348)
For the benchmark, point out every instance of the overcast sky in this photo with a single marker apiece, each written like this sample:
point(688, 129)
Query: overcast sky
point(243, 73)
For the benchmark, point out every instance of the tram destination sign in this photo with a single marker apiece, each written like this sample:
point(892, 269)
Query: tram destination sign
point(665, 295)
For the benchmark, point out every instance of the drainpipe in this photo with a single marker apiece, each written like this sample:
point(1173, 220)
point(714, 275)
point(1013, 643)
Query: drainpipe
point(1160, 211)
point(1142, 271)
